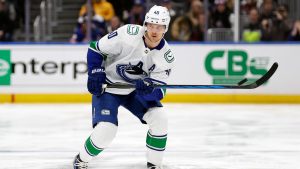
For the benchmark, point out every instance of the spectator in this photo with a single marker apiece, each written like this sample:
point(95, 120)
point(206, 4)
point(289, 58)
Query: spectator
point(252, 31)
point(247, 6)
point(199, 34)
point(187, 27)
point(6, 24)
point(17, 12)
point(220, 15)
point(98, 29)
point(267, 10)
point(195, 10)
point(266, 30)
point(295, 33)
point(266, 19)
point(186, 5)
point(11, 9)
point(181, 29)
point(195, 14)
point(122, 8)
point(277, 26)
point(173, 14)
point(101, 8)
point(282, 24)
point(230, 5)
point(114, 24)
point(102, 12)
point(137, 13)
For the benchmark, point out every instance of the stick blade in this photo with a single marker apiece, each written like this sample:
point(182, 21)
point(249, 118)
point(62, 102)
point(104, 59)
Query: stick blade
point(242, 81)
point(264, 78)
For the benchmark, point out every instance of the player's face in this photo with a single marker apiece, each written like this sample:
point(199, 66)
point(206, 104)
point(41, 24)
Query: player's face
point(155, 32)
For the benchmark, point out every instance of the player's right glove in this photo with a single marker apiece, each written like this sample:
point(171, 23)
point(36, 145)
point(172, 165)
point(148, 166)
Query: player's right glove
point(96, 78)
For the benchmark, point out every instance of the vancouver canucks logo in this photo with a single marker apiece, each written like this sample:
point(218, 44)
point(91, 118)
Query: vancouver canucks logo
point(132, 29)
point(169, 56)
point(131, 72)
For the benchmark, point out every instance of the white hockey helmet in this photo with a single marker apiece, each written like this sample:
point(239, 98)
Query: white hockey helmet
point(158, 15)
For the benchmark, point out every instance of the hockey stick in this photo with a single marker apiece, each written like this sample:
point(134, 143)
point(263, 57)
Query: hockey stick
point(253, 85)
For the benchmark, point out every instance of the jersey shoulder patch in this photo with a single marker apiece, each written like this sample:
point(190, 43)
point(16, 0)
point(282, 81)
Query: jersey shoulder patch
point(169, 57)
point(133, 29)
point(165, 59)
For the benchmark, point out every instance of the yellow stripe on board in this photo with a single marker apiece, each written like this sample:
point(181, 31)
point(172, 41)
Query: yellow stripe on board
point(170, 98)
point(46, 98)
point(227, 98)
point(5, 98)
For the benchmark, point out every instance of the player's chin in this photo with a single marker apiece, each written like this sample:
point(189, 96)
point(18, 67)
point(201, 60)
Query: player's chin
point(155, 39)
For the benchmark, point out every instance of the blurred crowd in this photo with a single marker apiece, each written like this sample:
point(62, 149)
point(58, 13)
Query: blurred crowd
point(187, 18)
point(260, 20)
point(11, 15)
point(268, 21)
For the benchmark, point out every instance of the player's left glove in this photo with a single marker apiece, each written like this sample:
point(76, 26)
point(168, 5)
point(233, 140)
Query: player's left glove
point(144, 88)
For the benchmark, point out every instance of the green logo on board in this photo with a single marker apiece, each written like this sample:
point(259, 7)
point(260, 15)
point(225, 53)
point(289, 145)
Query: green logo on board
point(5, 70)
point(236, 68)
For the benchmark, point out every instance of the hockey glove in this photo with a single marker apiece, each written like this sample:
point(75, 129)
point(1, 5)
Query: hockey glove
point(96, 78)
point(145, 89)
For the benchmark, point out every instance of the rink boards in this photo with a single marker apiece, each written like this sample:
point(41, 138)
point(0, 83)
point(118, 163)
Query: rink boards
point(57, 72)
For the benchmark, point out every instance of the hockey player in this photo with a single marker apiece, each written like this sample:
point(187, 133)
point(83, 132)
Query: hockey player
point(136, 55)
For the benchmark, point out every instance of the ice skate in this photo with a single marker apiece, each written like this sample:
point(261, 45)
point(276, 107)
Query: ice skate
point(79, 164)
point(152, 166)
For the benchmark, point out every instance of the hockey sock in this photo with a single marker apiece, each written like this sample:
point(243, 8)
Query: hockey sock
point(156, 146)
point(101, 137)
point(157, 143)
point(157, 135)
point(91, 148)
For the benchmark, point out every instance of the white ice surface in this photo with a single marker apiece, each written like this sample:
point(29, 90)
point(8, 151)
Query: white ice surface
point(201, 136)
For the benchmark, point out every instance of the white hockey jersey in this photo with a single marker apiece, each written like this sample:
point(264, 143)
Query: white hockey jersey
point(126, 57)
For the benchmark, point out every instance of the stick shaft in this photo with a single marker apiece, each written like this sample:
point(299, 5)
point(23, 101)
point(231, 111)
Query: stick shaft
point(253, 85)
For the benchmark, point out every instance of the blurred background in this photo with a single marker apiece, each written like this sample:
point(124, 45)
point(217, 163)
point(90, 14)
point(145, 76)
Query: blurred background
point(44, 43)
point(192, 20)
point(43, 46)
